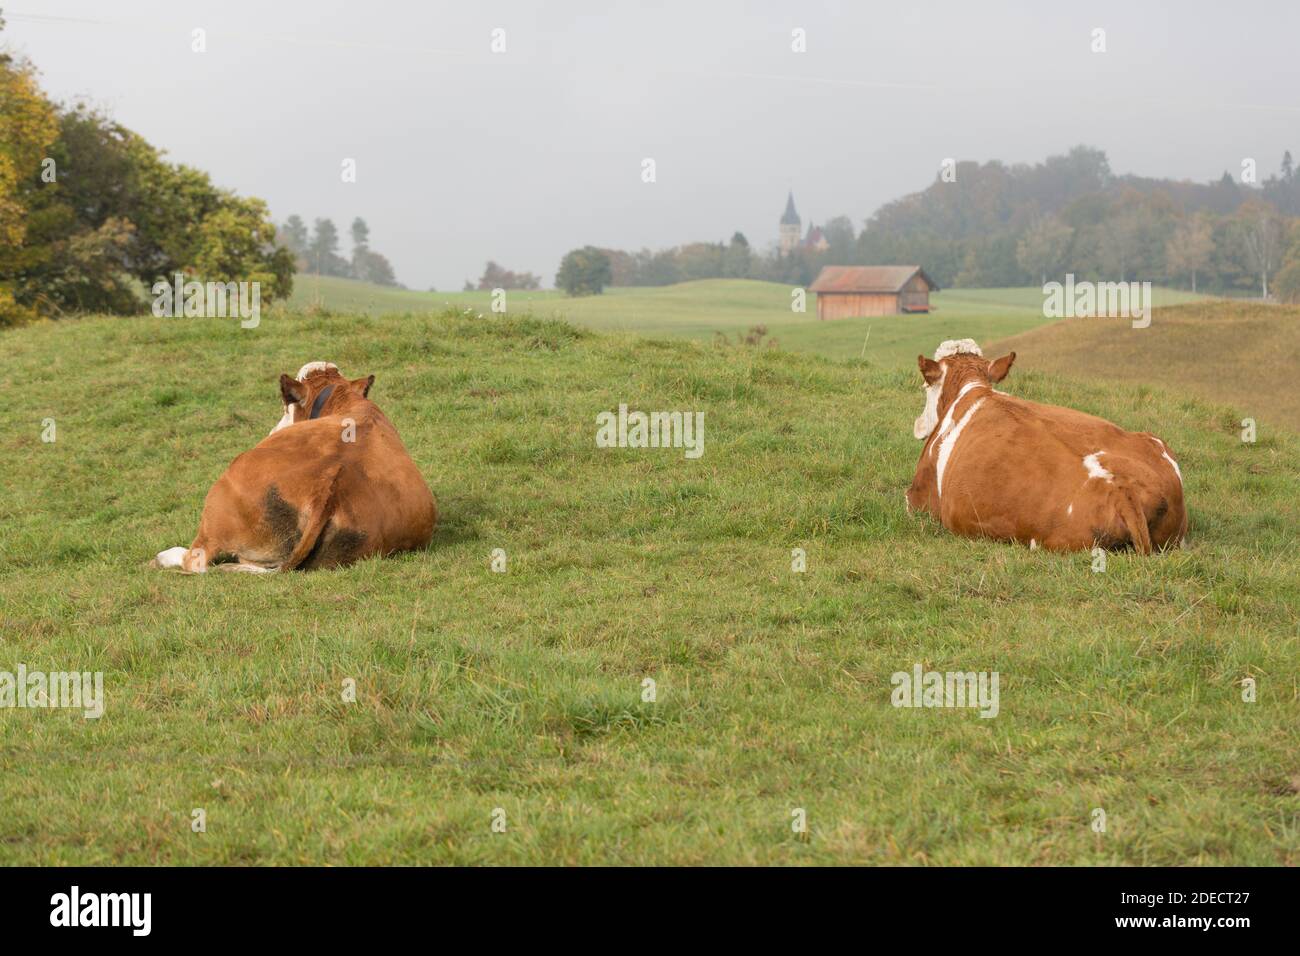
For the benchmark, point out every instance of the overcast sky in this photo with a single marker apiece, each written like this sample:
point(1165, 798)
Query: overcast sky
point(464, 154)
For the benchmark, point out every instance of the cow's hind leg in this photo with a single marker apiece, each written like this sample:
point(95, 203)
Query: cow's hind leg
point(255, 528)
point(1168, 524)
point(192, 560)
point(248, 568)
point(231, 535)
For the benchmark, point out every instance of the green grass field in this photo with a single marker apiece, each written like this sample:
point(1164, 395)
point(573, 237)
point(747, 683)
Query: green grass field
point(1246, 354)
point(522, 691)
point(700, 310)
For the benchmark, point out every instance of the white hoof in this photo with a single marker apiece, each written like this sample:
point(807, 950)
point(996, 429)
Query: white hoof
point(171, 558)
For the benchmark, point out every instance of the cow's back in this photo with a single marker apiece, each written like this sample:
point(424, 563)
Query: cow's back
point(381, 488)
point(1055, 477)
point(351, 468)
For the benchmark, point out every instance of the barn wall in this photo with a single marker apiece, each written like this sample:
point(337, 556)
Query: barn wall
point(915, 295)
point(845, 305)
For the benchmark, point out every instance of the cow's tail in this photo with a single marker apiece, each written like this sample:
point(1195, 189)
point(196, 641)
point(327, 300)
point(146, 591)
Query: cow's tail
point(311, 520)
point(1130, 513)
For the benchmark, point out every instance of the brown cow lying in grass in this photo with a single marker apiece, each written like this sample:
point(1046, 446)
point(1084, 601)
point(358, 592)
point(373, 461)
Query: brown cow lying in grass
point(330, 485)
point(997, 466)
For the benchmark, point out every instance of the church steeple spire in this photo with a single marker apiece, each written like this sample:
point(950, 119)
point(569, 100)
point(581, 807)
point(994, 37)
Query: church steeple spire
point(790, 218)
point(790, 223)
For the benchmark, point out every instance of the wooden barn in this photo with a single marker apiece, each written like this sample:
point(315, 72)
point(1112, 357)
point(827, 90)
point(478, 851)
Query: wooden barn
point(847, 291)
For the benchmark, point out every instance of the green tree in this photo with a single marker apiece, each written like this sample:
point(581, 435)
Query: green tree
point(625, 267)
point(90, 213)
point(323, 251)
point(701, 260)
point(989, 263)
point(1123, 243)
point(738, 259)
point(370, 266)
point(1044, 248)
point(584, 271)
point(661, 268)
point(1259, 230)
point(294, 234)
point(28, 126)
point(230, 248)
point(841, 241)
point(1287, 282)
point(360, 234)
point(496, 277)
point(1188, 249)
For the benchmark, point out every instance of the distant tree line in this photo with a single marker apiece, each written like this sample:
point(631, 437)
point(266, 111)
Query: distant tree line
point(495, 277)
point(91, 214)
point(318, 253)
point(999, 225)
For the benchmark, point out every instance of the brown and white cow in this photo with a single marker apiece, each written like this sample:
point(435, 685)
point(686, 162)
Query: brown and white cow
point(330, 485)
point(997, 466)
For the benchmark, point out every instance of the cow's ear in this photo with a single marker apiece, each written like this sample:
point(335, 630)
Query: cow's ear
point(292, 391)
point(363, 385)
point(931, 370)
point(998, 368)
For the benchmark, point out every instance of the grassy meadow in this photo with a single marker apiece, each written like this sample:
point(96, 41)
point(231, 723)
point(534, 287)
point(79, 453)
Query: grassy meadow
point(701, 310)
point(523, 692)
point(1246, 354)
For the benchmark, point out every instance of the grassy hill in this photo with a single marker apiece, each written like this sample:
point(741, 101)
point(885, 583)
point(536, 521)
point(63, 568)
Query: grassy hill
point(522, 691)
point(700, 310)
point(1239, 353)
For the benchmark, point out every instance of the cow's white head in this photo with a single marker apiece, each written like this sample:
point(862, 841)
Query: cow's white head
point(935, 371)
point(303, 372)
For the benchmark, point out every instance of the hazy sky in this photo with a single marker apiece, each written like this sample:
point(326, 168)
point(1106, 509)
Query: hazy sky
point(465, 155)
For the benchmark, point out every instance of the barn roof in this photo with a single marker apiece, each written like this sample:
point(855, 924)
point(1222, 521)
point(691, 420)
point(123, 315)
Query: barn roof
point(867, 278)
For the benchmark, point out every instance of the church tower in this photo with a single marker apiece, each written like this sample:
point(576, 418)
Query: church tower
point(790, 227)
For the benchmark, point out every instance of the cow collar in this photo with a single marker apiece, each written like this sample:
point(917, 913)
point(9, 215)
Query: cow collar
point(317, 405)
